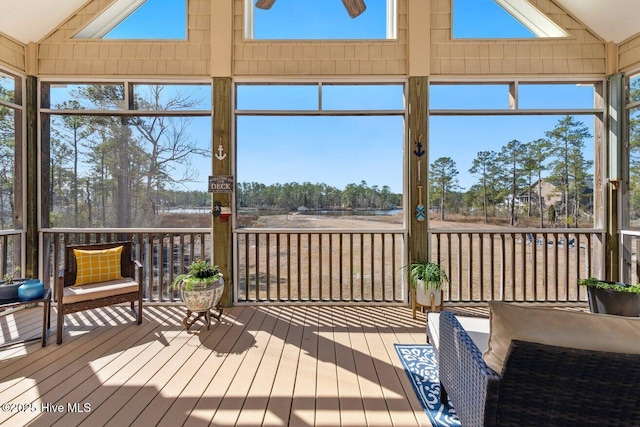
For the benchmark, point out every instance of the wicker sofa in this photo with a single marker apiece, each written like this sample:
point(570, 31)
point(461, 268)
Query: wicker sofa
point(540, 384)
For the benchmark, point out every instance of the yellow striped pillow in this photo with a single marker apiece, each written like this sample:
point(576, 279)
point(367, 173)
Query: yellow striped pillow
point(97, 265)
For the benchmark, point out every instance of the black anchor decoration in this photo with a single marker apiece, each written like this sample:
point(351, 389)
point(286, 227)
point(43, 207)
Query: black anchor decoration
point(420, 209)
point(419, 152)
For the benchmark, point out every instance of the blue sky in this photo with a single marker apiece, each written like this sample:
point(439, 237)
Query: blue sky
point(343, 150)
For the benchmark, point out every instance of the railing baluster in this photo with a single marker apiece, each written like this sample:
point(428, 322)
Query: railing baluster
point(481, 236)
point(320, 278)
point(372, 286)
point(289, 267)
point(330, 238)
point(278, 293)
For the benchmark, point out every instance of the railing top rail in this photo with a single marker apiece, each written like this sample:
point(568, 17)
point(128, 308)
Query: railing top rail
point(630, 233)
point(516, 230)
point(12, 232)
point(320, 231)
point(126, 230)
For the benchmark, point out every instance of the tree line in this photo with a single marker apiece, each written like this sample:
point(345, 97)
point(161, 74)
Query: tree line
point(291, 196)
point(510, 180)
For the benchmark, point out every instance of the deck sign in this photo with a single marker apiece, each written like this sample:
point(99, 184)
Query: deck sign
point(221, 184)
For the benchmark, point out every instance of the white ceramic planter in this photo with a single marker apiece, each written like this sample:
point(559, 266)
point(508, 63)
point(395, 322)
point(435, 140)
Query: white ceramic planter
point(423, 295)
point(202, 297)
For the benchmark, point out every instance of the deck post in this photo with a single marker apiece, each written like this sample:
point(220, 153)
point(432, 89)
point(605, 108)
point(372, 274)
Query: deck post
point(418, 244)
point(221, 237)
point(29, 216)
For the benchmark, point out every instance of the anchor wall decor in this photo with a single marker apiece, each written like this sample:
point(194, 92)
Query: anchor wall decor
point(220, 155)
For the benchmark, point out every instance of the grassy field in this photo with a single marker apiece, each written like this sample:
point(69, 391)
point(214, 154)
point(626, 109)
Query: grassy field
point(499, 263)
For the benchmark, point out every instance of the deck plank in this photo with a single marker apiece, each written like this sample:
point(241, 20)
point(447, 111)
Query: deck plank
point(352, 411)
point(260, 365)
point(279, 405)
point(255, 406)
point(327, 401)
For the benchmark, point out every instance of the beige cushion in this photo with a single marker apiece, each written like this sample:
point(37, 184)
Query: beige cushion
point(476, 327)
point(562, 328)
point(99, 290)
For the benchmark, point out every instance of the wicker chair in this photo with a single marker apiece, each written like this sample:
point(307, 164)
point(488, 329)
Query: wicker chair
point(540, 385)
point(72, 299)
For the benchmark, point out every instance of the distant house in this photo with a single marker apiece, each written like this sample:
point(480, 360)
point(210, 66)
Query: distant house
point(551, 195)
point(548, 191)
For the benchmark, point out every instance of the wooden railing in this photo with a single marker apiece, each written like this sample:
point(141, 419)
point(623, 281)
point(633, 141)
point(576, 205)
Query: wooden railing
point(362, 266)
point(164, 253)
point(527, 265)
point(320, 266)
point(629, 260)
point(11, 251)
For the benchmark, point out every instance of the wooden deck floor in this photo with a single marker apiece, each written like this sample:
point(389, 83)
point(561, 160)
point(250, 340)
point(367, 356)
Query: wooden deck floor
point(271, 366)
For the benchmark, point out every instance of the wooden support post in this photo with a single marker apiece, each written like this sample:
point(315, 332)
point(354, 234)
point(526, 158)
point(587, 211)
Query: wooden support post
point(418, 161)
point(30, 214)
point(222, 125)
point(418, 166)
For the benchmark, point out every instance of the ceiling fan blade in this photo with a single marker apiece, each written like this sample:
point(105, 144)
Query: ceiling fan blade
point(265, 4)
point(354, 7)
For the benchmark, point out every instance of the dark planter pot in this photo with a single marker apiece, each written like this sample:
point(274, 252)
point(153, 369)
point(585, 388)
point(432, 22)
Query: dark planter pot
point(8, 292)
point(607, 301)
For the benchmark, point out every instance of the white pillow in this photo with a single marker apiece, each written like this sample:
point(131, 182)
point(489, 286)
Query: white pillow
point(562, 328)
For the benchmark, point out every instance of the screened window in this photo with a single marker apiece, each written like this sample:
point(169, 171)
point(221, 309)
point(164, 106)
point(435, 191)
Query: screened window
point(10, 151)
point(513, 154)
point(125, 169)
point(633, 107)
point(320, 155)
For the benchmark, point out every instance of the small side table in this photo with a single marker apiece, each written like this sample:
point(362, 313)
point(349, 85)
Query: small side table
point(46, 314)
point(415, 305)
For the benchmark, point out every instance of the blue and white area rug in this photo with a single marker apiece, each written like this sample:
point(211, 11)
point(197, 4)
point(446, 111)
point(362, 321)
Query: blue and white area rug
point(421, 366)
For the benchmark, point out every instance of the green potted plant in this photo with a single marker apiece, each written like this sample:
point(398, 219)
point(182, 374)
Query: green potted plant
point(201, 287)
point(426, 280)
point(9, 285)
point(612, 297)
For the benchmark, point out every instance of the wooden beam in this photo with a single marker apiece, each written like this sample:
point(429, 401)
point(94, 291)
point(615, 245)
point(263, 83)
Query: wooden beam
point(418, 166)
point(30, 215)
point(221, 240)
point(354, 7)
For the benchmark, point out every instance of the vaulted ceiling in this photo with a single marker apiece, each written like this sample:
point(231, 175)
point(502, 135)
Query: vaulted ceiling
point(31, 20)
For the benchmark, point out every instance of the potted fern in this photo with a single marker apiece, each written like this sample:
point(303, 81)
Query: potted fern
point(612, 297)
point(201, 287)
point(426, 280)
